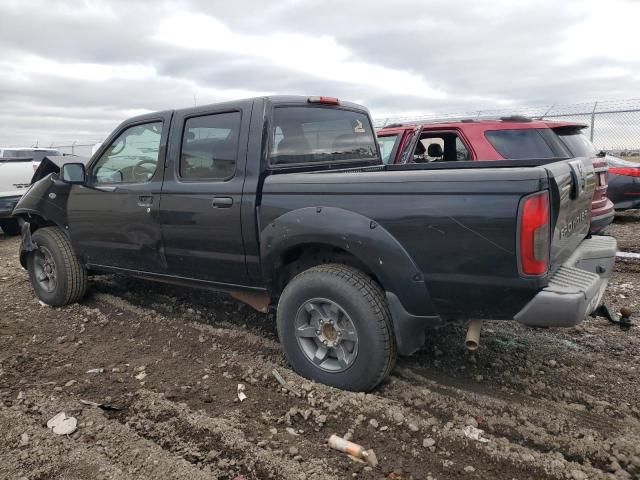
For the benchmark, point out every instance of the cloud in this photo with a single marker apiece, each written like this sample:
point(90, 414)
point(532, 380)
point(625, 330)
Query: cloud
point(73, 70)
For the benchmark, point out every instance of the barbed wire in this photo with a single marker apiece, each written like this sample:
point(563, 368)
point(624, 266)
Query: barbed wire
point(537, 111)
point(611, 125)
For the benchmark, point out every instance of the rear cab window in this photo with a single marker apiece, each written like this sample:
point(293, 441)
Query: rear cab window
point(304, 135)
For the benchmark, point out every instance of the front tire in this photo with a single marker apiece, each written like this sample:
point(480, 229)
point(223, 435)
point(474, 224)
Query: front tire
point(335, 327)
point(10, 226)
point(56, 275)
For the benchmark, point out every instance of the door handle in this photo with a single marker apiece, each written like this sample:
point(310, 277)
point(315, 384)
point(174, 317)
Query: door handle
point(222, 202)
point(145, 200)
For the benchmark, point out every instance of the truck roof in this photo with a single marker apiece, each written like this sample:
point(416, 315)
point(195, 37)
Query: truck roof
point(272, 99)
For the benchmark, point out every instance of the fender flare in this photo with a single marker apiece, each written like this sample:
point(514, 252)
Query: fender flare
point(46, 199)
point(373, 245)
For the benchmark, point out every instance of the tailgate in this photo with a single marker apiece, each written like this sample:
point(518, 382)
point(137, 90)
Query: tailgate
point(572, 184)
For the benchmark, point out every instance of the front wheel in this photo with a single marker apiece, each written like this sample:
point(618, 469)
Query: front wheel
point(335, 327)
point(56, 275)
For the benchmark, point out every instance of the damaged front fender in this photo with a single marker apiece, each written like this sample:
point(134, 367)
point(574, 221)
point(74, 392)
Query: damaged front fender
point(44, 204)
point(46, 199)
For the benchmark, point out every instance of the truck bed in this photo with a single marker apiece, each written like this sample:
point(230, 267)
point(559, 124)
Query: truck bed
point(457, 222)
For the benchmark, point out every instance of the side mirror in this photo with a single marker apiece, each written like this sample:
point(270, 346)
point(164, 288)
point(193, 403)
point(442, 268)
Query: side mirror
point(73, 173)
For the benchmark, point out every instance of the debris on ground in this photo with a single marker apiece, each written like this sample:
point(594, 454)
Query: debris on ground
point(241, 395)
point(283, 382)
point(62, 425)
point(353, 449)
point(474, 433)
point(95, 370)
point(103, 406)
point(548, 396)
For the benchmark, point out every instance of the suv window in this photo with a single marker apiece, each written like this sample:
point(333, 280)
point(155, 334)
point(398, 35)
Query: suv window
point(387, 144)
point(317, 134)
point(440, 147)
point(210, 146)
point(520, 144)
point(577, 143)
point(132, 157)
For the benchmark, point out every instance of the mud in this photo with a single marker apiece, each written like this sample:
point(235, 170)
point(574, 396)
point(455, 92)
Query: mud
point(554, 403)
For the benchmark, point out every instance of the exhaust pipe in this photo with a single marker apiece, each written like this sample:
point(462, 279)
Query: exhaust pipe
point(472, 341)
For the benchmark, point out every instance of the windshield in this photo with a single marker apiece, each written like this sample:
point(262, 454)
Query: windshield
point(320, 134)
point(387, 144)
point(577, 143)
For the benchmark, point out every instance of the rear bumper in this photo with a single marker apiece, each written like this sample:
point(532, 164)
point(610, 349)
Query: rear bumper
point(575, 290)
point(602, 217)
point(7, 205)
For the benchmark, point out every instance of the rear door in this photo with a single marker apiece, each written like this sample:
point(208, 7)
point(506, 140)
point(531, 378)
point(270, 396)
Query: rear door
point(202, 194)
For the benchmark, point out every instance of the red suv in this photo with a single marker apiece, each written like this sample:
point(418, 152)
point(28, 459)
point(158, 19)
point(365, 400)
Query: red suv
point(510, 138)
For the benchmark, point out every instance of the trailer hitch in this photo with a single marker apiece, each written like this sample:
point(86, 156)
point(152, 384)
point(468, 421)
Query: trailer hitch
point(623, 320)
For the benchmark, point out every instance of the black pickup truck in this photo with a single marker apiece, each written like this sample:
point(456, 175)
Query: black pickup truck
point(285, 199)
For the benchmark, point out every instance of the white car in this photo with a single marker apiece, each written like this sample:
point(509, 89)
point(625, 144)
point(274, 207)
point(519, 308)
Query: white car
point(16, 169)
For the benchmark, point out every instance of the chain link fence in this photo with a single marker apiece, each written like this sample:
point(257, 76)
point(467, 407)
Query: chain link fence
point(84, 149)
point(613, 126)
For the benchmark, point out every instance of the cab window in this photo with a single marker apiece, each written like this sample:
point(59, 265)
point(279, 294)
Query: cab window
point(132, 157)
point(210, 146)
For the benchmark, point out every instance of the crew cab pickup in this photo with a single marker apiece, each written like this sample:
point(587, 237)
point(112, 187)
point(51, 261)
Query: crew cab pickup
point(285, 199)
point(509, 138)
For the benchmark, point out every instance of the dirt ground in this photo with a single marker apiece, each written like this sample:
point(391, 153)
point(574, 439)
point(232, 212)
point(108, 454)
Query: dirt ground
point(556, 403)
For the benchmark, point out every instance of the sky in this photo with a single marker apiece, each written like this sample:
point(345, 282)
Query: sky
point(72, 70)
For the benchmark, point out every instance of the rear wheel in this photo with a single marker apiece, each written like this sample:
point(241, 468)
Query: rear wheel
point(335, 327)
point(10, 226)
point(56, 275)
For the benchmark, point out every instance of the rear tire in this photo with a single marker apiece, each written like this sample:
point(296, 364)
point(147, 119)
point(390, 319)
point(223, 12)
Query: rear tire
point(335, 327)
point(56, 275)
point(10, 226)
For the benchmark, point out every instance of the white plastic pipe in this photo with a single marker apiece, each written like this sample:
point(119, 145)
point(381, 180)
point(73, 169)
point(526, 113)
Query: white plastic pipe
point(472, 341)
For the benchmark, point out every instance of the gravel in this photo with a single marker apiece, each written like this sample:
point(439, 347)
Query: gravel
point(554, 403)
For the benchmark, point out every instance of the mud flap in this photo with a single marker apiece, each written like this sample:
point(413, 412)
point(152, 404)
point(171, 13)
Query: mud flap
point(26, 245)
point(409, 329)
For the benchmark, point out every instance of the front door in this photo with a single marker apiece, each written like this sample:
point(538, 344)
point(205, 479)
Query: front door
point(202, 194)
point(113, 218)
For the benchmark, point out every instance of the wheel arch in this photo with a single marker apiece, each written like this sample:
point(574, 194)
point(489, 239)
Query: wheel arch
point(361, 242)
point(29, 223)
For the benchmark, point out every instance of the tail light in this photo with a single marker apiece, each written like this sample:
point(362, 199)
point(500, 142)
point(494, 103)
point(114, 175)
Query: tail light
point(324, 100)
point(625, 171)
point(534, 239)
